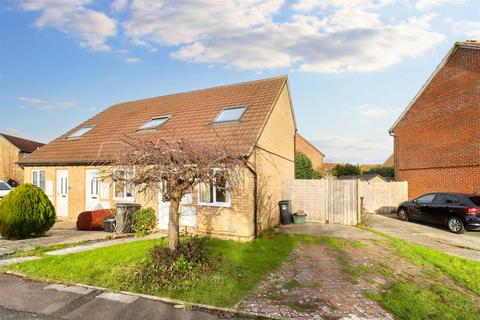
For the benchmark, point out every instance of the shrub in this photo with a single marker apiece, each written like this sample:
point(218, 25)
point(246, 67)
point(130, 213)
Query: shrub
point(346, 169)
point(143, 221)
point(26, 211)
point(304, 168)
point(170, 270)
point(94, 220)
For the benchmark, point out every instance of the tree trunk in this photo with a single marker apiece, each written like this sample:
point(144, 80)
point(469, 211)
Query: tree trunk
point(173, 224)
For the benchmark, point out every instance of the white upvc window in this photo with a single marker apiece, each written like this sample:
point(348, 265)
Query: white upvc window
point(214, 193)
point(38, 179)
point(122, 189)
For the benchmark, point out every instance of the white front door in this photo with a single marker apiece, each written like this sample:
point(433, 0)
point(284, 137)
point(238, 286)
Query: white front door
point(92, 190)
point(62, 193)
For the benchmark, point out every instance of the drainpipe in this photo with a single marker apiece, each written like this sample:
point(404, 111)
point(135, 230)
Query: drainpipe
point(255, 204)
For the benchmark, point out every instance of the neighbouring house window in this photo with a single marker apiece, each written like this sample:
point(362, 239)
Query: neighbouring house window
point(233, 114)
point(214, 193)
point(121, 188)
point(38, 179)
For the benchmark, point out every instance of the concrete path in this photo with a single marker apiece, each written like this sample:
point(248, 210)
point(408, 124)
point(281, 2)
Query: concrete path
point(62, 232)
point(332, 230)
point(22, 299)
point(465, 245)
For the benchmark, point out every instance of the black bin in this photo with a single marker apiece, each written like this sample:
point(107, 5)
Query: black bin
point(109, 225)
point(285, 211)
point(124, 216)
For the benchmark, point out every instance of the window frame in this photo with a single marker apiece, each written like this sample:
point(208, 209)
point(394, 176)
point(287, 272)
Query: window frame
point(214, 203)
point(38, 184)
point(89, 127)
point(167, 117)
point(216, 121)
point(124, 197)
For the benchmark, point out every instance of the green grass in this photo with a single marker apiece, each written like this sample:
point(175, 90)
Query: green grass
point(464, 271)
point(410, 301)
point(243, 265)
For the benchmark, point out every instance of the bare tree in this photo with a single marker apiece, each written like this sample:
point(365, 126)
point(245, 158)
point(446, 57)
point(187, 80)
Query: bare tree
point(171, 167)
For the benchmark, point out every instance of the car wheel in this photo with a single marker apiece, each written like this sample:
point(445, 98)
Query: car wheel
point(403, 214)
point(455, 225)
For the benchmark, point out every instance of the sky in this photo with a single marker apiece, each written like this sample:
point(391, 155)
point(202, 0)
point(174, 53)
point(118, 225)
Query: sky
point(353, 65)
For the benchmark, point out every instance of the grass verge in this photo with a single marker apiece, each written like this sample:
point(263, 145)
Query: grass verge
point(243, 265)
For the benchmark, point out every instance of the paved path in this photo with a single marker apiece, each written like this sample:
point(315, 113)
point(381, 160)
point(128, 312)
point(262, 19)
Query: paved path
point(22, 299)
point(60, 233)
point(332, 230)
point(465, 245)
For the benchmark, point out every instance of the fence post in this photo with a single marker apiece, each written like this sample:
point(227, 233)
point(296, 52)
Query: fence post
point(359, 208)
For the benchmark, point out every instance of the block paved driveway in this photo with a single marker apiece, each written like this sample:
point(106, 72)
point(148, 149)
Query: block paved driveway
point(22, 299)
point(465, 245)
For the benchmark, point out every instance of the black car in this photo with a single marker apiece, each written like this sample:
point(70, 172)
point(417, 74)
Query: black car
point(459, 212)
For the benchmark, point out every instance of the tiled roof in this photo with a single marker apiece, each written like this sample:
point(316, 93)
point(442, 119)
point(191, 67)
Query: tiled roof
point(23, 145)
point(191, 115)
point(361, 177)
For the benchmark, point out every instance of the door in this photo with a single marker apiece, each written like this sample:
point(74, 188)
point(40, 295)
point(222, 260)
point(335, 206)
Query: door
point(62, 193)
point(444, 206)
point(422, 206)
point(92, 190)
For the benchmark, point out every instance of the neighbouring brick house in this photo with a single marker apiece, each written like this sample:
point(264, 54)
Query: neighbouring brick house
point(13, 149)
point(437, 137)
point(304, 146)
point(257, 117)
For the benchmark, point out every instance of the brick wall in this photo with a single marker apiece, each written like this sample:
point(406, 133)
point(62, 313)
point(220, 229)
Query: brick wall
point(9, 155)
point(437, 142)
point(303, 146)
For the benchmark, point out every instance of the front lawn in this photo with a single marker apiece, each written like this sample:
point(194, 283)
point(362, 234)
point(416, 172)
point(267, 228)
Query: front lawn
point(243, 265)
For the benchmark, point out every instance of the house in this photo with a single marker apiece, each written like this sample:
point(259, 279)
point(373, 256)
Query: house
point(304, 146)
point(389, 162)
point(13, 149)
point(364, 177)
point(437, 137)
point(256, 117)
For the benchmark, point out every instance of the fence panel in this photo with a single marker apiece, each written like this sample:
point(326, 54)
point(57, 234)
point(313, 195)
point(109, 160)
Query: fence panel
point(338, 201)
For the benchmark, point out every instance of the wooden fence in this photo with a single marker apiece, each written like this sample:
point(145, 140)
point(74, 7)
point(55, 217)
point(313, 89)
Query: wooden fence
point(339, 201)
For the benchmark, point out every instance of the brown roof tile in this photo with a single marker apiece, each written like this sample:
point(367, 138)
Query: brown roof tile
point(24, 145)
point(191, 116)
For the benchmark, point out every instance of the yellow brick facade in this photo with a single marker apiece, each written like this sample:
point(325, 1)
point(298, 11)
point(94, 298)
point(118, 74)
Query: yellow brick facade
point(272, 159)
point(9, 156)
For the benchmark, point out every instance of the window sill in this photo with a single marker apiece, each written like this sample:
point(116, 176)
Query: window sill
point(124, 199)
point(214, 204)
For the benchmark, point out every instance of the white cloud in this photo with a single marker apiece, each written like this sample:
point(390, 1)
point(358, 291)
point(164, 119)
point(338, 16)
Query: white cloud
point(349, 37)
point(427, 4)
point(467, 29)
point(91, 28)
point(119, 5)
point(361, 150)
point(372, 111)
point(130, 60)
point(45, 105)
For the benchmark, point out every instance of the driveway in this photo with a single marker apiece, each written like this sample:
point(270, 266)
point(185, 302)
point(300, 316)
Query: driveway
point(465, 245)
point(61, 232)
point(22, 299)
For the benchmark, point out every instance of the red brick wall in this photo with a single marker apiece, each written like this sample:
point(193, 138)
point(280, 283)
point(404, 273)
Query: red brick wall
point(437, 142)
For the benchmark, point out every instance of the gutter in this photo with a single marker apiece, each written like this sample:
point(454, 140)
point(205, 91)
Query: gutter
point(255, 202)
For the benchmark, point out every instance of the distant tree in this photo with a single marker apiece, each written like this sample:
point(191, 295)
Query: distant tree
point(387, 172)
point(346, 169)
point(304, 168)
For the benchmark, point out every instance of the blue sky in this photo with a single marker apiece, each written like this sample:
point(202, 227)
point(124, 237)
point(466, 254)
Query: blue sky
point(353, 65)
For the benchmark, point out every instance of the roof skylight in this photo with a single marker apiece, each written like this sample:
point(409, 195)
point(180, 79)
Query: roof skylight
point(154, 123)
point(80, 132)
point(230, 115)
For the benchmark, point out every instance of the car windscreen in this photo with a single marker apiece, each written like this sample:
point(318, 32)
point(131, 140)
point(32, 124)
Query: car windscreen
point(475, 200)
point(4, 186)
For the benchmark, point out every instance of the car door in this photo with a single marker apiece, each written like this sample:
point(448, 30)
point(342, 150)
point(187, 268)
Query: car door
point(420, 210)
point(441, 208)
